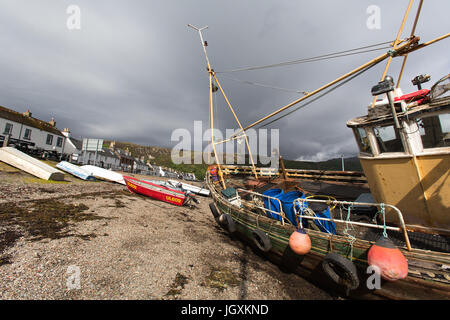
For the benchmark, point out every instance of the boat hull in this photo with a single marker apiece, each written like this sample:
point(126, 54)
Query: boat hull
point(191, 188)
point(427, 278)
point(75, 171)
point(26, 163)
point(104, 174)
point(155, 191)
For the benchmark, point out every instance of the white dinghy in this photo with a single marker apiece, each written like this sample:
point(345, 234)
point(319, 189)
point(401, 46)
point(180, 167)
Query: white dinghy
point(104, 174)
point(33, 166)
point(190, 187)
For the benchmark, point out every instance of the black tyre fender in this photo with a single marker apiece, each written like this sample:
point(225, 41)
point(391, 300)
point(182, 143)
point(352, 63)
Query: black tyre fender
point(261, 240)
point(341, 270)
point(214, 211)
point(227, 222)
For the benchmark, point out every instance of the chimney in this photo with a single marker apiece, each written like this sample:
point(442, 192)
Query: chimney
point(52, 122)
point(27, 113)
point(66, 132)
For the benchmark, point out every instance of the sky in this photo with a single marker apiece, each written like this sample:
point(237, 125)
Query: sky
point(135, 72)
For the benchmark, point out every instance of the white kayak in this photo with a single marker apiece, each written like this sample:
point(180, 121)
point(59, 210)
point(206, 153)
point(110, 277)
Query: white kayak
point(189, 187)
point(104, 174)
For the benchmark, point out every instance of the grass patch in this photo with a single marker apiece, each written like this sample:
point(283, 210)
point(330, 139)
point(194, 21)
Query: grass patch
point(4, 167)
point(42, 181)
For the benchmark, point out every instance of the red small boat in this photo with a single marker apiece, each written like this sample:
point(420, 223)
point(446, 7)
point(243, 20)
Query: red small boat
point(157, 191)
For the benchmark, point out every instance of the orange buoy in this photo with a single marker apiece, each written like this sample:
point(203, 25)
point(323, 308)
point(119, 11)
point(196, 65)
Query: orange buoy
point(300, 242)
point(389, 259)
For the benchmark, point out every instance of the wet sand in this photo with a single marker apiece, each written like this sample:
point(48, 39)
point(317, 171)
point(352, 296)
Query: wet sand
point(124, 246)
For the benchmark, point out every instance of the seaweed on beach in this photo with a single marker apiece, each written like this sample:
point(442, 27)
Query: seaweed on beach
point(45, 219)
point(221, 278)
point(177, 285)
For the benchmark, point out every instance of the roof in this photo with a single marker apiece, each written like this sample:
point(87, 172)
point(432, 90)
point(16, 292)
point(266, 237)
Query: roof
point(108, 153)
point(412, 111)
point(77, 143)
point(15, 116)
point(105, 152)
point(121, 155)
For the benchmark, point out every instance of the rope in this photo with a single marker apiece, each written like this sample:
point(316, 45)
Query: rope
point(321, 95)
point(313, 59)
point(382, 211)
point(351, 239)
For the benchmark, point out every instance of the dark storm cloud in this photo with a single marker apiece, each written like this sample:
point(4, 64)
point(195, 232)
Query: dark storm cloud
point(135, 72)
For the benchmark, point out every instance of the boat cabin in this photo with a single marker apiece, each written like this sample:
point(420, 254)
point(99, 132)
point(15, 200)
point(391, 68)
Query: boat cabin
point(405, 154)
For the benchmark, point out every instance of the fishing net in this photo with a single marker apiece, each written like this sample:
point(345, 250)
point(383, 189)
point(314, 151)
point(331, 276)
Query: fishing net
point(440, 88)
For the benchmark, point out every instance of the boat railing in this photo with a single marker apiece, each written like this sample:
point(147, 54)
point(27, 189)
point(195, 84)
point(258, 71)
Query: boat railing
point(281, 213)
point(351, 204)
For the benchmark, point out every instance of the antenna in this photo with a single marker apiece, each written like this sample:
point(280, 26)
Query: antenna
point(204, 43)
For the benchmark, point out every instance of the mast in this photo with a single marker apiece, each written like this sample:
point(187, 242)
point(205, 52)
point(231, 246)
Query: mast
point(211, 113)
point(211, 109)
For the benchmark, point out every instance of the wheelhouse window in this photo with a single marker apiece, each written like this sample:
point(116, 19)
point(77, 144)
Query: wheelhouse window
point(49, 139)
point(27, 134)
point(8, 128)
point(435, 131)
point(59, 142)
point(388, 139)
point(363, 140)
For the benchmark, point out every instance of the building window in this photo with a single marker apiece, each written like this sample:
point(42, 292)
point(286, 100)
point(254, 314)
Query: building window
point(59, 142)
point(363, 140)
point(49, 139)
point(27, 134)
point(388, 139)
point(435, 131)
point(8, 128)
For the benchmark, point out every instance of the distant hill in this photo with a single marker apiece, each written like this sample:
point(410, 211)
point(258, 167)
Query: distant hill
point(350, 164)
point(160, 156)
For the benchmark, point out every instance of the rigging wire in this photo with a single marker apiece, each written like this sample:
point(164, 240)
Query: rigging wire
point(321, 95)
point(265, 85)
point(313, 59)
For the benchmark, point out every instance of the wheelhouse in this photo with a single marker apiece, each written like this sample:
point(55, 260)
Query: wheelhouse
point(406, 157)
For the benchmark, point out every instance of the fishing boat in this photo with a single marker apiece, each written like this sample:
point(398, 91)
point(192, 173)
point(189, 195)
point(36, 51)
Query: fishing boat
point(190, 187)
point(159, 190)
point(381, 234)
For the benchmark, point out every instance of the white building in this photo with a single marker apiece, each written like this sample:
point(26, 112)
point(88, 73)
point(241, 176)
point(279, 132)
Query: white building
point(22, 128)
point(72, 147)
point(140, 166)
point(104, 158)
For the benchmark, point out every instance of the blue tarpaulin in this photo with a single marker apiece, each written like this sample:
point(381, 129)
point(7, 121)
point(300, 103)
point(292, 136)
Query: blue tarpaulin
point(273, 204)
point(323, 225)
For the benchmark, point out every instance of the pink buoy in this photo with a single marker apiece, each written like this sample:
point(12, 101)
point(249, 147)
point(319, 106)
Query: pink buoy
point(390, 261)
point(300, 242)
